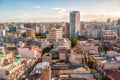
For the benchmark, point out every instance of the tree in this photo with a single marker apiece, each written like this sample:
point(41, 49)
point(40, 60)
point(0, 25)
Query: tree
point(24, 34)
point(73, 40)
point(40, 35)
point(47, 49)
point(90, 64)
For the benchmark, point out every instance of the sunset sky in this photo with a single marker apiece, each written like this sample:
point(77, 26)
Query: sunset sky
point(58, 10)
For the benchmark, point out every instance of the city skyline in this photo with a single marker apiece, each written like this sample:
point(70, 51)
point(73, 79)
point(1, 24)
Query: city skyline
point(57, 10)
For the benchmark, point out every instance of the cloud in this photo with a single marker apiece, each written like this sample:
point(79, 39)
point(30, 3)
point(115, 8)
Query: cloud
point(100, 16)
point(36, 6)
point(60, 10)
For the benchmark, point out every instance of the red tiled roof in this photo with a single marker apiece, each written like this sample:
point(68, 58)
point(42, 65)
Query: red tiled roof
point(64, 50)
point(113, 74)
point(90, 79)
point(78, 79)
point(72, 79)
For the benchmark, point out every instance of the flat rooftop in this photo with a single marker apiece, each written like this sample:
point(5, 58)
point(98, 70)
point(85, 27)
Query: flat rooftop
point(81, 75)
point(113, 74)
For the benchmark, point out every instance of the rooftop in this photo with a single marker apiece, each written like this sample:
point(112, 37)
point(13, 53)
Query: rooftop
point(115, 75)
point(11, 68)
point(64, 50)
point(2, 55)
point(81, 75)
point(18, 59)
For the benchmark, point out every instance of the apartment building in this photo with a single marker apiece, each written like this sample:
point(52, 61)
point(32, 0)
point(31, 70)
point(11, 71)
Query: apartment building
point(54, 34)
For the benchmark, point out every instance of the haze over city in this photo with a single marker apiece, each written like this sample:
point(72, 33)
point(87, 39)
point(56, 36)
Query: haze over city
point(57, 10)
point(59, 40)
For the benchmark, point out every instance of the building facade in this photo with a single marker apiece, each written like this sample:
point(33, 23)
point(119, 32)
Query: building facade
point(75, 23)
point(54, 34)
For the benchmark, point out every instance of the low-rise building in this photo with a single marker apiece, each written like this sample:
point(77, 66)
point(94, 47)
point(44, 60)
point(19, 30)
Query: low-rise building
point(30, 33)
point(108, 62)
point(42, 70)
point(44, 43)
point(63, 43)
point(109, 36)
point(14, 66)
point(54, 34)
point(47, 57)
point(29, 52)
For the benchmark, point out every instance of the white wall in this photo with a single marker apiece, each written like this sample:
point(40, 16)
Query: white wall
point(2, 73)
point(25, 52)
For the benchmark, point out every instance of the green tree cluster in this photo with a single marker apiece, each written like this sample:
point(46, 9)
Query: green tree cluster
point(40, 35)
point(73, 40)
point(47, 49)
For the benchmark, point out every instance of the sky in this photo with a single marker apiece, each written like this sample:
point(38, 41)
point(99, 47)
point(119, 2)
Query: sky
point(58, 10)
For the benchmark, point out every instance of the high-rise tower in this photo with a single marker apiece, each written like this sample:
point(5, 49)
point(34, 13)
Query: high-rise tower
point(75, 23)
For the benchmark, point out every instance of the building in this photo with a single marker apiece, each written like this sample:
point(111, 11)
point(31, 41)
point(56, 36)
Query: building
point(2, 33)
point(12, 67)
point(47, 57)
point(44, 43)
point(66, 29)
point(64, 54)
point(46, 72)
point(37, 28)
point(89, 47)
point(2, 48)
point(30, 33)
point(116, 46)
point(75, 58)
point(54, 34)
point(75, 23)
point(109, 62)
point(109, 36)
point(63, 43)
point(29, 52)
point(42, 28)
point(42, 71)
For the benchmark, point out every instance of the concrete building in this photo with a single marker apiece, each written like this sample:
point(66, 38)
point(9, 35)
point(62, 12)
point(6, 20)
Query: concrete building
point(76, 59)
point(108, 62)
point(42, 70)
point(30, 33)
point(47, 57)
point(63, 54)
point(46, 72)
point(37, 28)
point(29, 52)
point(89, 47)
point(2, 33)
point(116, 46)
point(63, 43)
point(44, 43)
point(75, 23)
point(12, 67)
point(109, 36)
point(66, 29)
point(54, 34)
point(42, 28)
